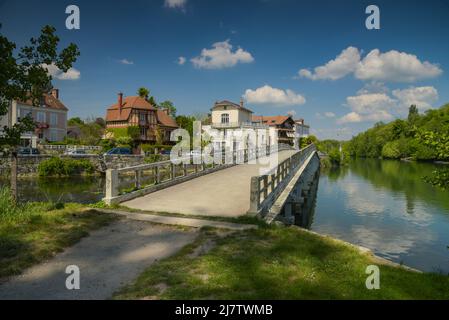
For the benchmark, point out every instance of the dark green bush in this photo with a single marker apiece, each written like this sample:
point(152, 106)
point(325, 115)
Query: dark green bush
point(65, 167)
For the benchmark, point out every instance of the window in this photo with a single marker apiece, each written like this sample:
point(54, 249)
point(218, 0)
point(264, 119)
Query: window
point(225, 118)
point(40, 116)
point(142, 132)
point(24, 112)
point(142, 117)
point(53, 135)
point(53, 119)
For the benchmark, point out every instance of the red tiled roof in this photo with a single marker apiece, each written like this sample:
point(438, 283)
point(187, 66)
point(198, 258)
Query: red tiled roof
point(134, 102)
point(50, 102)
point(165, 120)
point(271, 120)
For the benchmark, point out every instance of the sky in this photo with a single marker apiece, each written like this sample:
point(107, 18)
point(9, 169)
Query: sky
point(313, 59)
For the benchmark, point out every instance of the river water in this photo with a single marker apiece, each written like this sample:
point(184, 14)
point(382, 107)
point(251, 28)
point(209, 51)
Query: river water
point(385, 205)
point(380, 204)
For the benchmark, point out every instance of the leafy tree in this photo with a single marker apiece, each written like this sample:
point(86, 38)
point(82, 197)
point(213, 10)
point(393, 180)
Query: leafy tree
point(186, 122)
point(143, 92)
point(413, 113)
point(168, 105)
point(24, 75)
point(75, 122)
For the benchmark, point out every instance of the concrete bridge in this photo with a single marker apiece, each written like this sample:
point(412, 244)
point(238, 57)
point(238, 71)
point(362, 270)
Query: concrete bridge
point(283, 190)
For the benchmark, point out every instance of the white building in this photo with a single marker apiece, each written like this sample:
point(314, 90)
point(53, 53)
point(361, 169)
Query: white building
point(231, 123)
point(301, 130)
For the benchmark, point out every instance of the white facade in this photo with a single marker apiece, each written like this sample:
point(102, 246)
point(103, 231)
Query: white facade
point(232, 127)
point(301, 131)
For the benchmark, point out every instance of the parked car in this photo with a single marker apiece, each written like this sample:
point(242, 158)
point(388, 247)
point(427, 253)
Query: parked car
point(27, 151)
point(116, 151)
point(165, 152)
point(75, 152)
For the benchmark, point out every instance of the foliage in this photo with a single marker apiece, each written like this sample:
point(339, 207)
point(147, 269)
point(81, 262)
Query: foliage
point(305, 141)
point(439, 178)
point(76, 121)
point(168, 105)
point(186, 122)
point(56, 166)
point(26, 76)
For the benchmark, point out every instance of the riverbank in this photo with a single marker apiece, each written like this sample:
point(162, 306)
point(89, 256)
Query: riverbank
point(35, 232)
point(277, 263)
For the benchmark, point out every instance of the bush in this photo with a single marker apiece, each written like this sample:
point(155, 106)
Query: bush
point(391, 150)
point(150, 148)
point(65, 167)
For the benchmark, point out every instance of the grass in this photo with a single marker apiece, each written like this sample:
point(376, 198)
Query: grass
point(33, 232)
point(277, 263)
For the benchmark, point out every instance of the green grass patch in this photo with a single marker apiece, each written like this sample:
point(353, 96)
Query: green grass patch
point(33, 232)
point(277, 263)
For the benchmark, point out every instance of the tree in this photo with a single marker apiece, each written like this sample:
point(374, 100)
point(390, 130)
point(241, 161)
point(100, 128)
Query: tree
point(143, 93)
point(413, 113)
point(24, 75)
point(168, 105)
point(75, 122)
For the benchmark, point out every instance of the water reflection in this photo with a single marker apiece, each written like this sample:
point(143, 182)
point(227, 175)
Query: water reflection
point(387, 207)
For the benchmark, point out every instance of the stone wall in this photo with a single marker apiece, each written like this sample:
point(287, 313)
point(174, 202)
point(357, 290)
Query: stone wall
point(28, 165)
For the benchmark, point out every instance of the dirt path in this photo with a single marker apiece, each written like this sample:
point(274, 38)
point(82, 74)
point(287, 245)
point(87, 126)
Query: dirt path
point(108, 259)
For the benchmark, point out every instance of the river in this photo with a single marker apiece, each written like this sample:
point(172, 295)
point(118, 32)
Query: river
point(379, 204)
point(386, 206)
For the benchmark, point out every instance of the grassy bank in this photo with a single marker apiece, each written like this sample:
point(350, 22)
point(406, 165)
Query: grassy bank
point(277, 263)
point(33, 232)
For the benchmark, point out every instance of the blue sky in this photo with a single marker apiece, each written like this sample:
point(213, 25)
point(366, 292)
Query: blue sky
point(254, 49)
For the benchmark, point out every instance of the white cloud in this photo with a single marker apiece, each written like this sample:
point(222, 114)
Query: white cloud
point(370, 107)
point(393, 66)
point(373, 107)
point(126, 61)
point(329, 114)
point(344, 64)
point(221, 56)
point(181, 61)
point(269, 95)
point(422, 97)
point(56, 73)
point(175, 4)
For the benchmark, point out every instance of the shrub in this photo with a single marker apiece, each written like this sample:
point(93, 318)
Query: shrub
point(391, 150)
point(65, 167)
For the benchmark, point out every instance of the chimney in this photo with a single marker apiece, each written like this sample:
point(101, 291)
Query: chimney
point(167, 111)
point(55, 93)
point(241, 102)
point(120, 101)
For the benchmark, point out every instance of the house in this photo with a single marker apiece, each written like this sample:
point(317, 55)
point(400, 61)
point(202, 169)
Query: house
point(301, 130)
point(281, 128)
point(234, 120)
point(137, 111)
point(50, 117)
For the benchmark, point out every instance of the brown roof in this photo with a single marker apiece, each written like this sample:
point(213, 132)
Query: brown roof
point(134, 102)
point(49, 101)
point(165, 120)
point(229, 103)
point(271, 120)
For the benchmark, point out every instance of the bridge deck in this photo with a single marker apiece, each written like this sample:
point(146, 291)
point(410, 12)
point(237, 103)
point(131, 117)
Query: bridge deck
point(223, 193)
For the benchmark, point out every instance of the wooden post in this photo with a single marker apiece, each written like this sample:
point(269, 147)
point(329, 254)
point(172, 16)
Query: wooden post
point(111, 185)
point(14, 174)
point(158, 174)
point(137, 176)
point(265, 186)
point(172, 171)
point(185, 169)
point(254, 195)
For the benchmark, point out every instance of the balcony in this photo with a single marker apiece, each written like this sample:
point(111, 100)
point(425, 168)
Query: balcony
point(239, 125)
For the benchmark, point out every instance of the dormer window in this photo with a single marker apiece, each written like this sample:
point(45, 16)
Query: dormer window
point(225, 118)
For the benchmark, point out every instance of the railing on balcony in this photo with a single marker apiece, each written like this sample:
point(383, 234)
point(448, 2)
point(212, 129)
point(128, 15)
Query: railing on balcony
point(231, 125)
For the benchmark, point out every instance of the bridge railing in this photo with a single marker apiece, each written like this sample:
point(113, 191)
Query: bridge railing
point(130, 182)
point(266, 188)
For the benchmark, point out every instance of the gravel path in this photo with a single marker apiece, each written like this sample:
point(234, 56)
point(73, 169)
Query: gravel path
point(108, 259)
